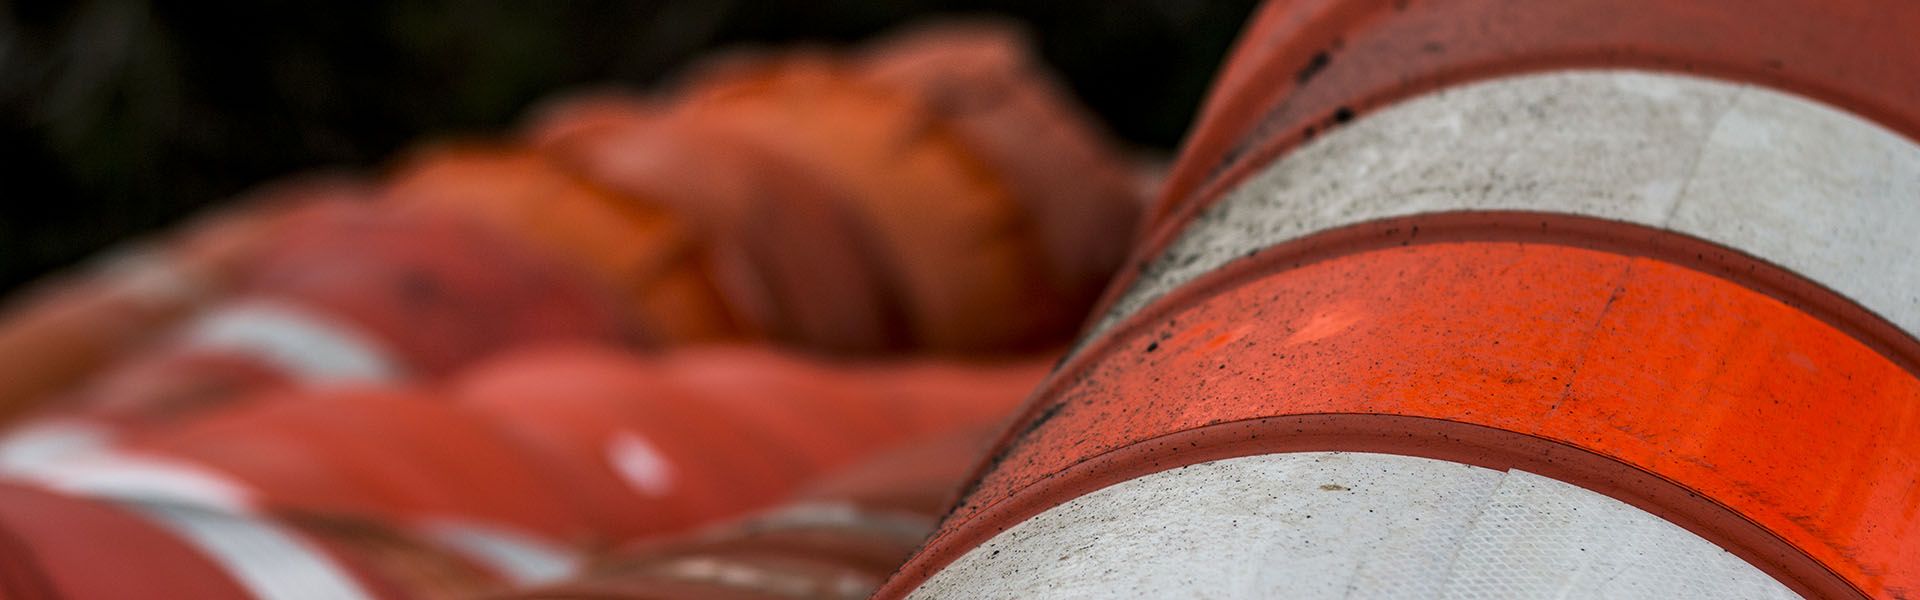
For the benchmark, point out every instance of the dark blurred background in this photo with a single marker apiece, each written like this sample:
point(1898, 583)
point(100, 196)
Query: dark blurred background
point(119, 117)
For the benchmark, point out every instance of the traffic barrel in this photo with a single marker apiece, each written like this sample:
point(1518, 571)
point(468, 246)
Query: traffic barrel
point(936, 191)
point(838, 538)
point(66, 329)
point(651, 447)
point(792, 262)
point(649, 254)
point(541, 457)
point(950, 235)
point(383, 470)
point(1497, 298)
point(347, 295)
point(981, 80)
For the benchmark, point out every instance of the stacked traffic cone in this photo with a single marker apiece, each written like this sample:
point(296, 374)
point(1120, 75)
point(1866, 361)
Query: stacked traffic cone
point(62, 332)
point(492, 365)
point(523, 466)
point(934, 192)
point(344, 295)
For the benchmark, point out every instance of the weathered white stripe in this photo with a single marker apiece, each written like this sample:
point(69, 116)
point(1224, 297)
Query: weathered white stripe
point(1829, 195)
point(764, 579)
point(522, 559)
point(1347, 525)
point(312, 347)
point(906, 527)
point(32, 446)
point(116, 473)
point(271, 563)
point(144, 271)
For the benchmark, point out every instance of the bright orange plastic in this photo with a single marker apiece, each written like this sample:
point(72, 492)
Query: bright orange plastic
point(789, 255)
point(438, 292)
point(951, 233)
point(724, 430)
point(385, 455)
point(649, 254)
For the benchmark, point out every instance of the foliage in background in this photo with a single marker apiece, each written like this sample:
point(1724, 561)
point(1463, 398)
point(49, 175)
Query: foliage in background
point(121, 116)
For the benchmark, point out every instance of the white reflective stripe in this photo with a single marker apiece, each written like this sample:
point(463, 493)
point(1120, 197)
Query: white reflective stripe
point(271, 563)
point(312, 347)
point(765, 579)
point(640, 464)
point(145, 271)
point(1347, 525)
point(1831, 196)
point(115, 473)
point(906, 527)
point(523, 559)
point(34, 445)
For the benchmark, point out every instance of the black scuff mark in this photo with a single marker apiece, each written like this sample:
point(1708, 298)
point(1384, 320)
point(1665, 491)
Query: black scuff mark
point(1314, 66)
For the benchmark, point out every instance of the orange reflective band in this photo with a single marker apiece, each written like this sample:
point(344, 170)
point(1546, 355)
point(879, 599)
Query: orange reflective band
point(1763, 429)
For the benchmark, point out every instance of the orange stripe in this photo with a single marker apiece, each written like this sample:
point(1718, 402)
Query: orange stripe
point(1788, 422)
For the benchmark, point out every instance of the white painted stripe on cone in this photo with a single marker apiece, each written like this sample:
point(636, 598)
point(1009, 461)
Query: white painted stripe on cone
point(34, 445)
point(764, 579)
point(522, 559)
point(906, 527)
point(115, 473)
point(144, 271)
point(312, 347)
point(1831, 196)
point(1347, 525)
point(271, 563)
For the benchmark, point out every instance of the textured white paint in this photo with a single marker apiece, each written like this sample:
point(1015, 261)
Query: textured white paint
point(271, 563)
point(522, 559)
point(1828, 195)
point(312, 347)
point(1347, 525)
